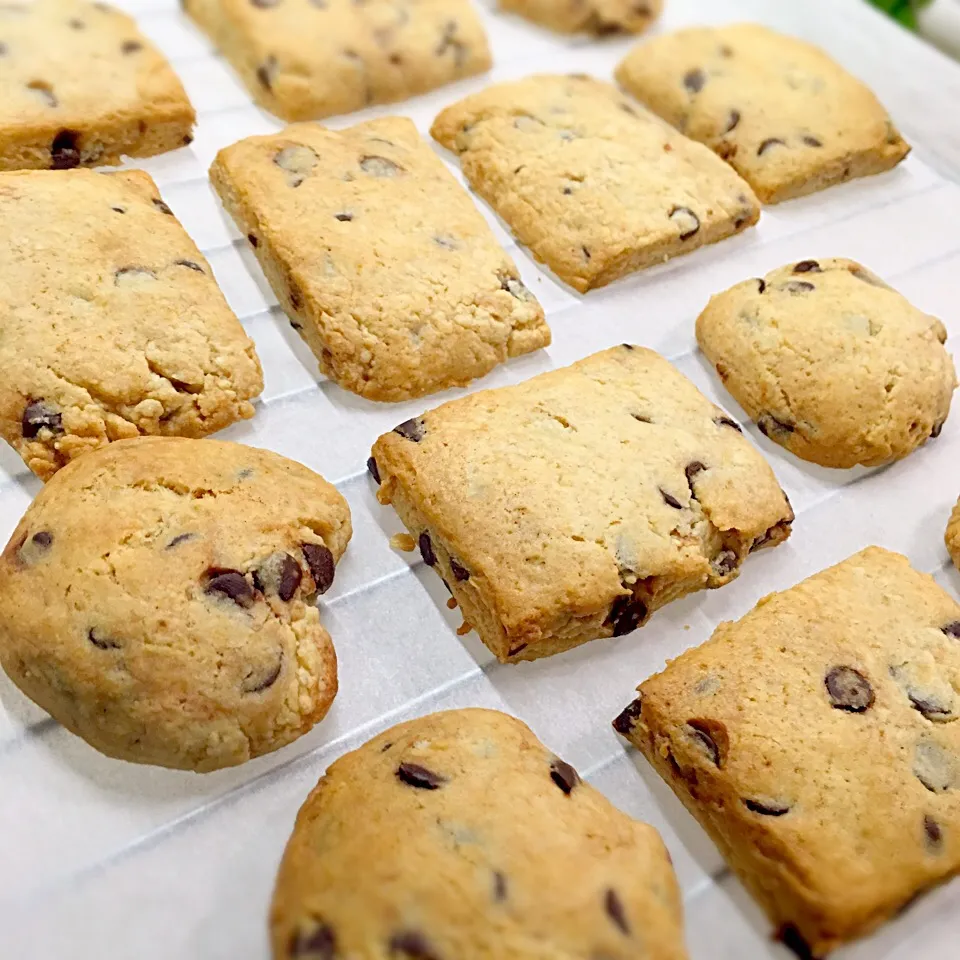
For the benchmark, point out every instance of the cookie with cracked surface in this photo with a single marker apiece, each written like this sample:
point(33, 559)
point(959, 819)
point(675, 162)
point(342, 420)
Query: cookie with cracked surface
point(816, 740)
point(830, 362)
point(788, 119)
point(596, 186)
point(455, 836)
point(309, 59)
point(573, 505)
point(156, 599)
point(600, 17)
point(113, 324)
point(81, 86)
point(379, 257)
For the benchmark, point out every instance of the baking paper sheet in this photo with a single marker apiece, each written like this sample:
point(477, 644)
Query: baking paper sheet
point(103, 859)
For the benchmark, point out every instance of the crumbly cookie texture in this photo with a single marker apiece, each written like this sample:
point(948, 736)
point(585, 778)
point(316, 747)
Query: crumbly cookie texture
point(830, 362)
point(786, 117)
point(112, 323)
point(596, 186)
point(308, 59)
point(573, 505)
point(599, 17)
point(156, 599)
point(81, 86)
point(952, 537)
point(816, 740)
point(457, 835)
point(379, 257)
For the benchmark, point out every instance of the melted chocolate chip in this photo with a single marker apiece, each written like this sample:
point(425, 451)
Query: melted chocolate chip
point(344, 217)
point(761, 285)
point(231, 584)
point(769, 144)
point(101, 641)
point(411, 430)
point(189, 264)
point(733, 121)
point(320, 943)
point(765, 808)
point(131, 46)
point(670, 500)
point(412, 945)
point(933, 833)
point(628, 718)
point(460, 572)
point(727, 422)
point(930, 707)
point(564, 776)
point(499, 887)
point(426, 549)
point(724, 563)
point(258, 681)
point(380, 167)
point(694, 80)
point(812, 141)
point(513, 651)
point(322, 567)
point(952, 629)
point(162, 207)
point(807, 266)
point(686, 220)
point(937, 430)
point(848, 689)
point(65, 150)
point(770, 426)
point(43, 539)
point(798, 286)
point(40, 415)
point(413, 775)
point(701, 734)
point(280, 574)
point(253, 241)
point(373, 470)
point(626, 614)
point(616, 911)
point(790, 937)
point(178, 539)
point(694, 468)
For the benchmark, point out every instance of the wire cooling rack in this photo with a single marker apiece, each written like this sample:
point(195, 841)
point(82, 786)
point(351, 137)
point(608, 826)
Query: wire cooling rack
point(103, 859)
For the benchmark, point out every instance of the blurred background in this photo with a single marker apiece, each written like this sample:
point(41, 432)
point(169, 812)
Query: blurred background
point(936, 20)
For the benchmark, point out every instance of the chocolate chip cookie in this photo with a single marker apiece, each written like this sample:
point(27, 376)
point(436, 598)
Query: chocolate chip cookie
point(817, 741)
point(830, 362)
point(157, 600)
point(459, 835)
point(599, 17)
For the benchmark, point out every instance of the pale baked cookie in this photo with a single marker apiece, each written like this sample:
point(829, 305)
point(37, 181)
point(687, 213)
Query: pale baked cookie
point(593, 184)
point(599, 17)
point(379, 257)
point(952, 537)
point(459, 836)
point(817, 741)
point(111, 322)
point(830, 362)
point(157, 600)
point(308, 59)
point(80, 85)
point(573, 505)
point(788, 118)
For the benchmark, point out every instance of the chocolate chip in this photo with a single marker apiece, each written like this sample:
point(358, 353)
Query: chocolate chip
point(411, 430)
point(131, 46)
point(766, 808)
point(770, 426)
point(320, 943)
point(933, 832)
point(952, 629)
point(100, 641)
point(639, 417)
point(585, 252)
point(686, 220)
point(727, 422)
point(280, 574)
point(930, 707)
point(297, 161)
point(460, 572)
point(798, 286)
point(76, 24)
point(44, 91)
point(499, 887)
point(65, 150)
point(231, 584)
point(343, 217)
point(3, 49)
point(256, 681)
point(43, 540)
point(189, 264)
point(513, 651)
point(118, 210)
point(265, 4)
point(702, 732)
point(848, 689)
point(563, 775)
point(254, 242)
point(426, 549)
point(769, 144)
point(412, 945)
point(670, 500)
point(380, 167)
point(694, 80)
point(807, 266)
point(628, 346)
point(790, 937)
point(761, 285)
point(616, 911)
point(266, 72)
point(515, 288)
point(187, 139)
point(413, 775)
point(448, 41)
point(322, 567)
point(812, 141)
point(628, 717)
point(40, 415)
point(162, 207)
point(626, 614)
point(937, 430)
point(733, 121)
point(692, 469)
point(933, 767)
point(178, 539)
point(724, 563)
point(373, 470)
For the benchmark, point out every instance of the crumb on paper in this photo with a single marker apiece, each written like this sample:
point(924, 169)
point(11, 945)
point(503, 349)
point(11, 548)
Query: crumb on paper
point(404, 542)
point(464, 629)
point(451, 603)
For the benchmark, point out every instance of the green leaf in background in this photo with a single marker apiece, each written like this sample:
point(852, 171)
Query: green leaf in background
point(902, 10)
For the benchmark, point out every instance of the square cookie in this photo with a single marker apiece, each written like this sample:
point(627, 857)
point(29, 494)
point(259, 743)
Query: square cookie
point(787, 118)
point(830, 362)
point(573, 505)
point(112, 323)
point(308, 59)
point(594, 185)
point(816, 740)
point(81, 86)
point(599, 17)
point(380, 258)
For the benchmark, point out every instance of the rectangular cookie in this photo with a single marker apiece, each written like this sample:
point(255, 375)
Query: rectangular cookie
point(309, 59)
point(817, 741)
point(786, 117)
point(594, 185)
point(111, 323)
point(379, 257)
point(573, 505)
point(599, 17)
point(81, 86)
